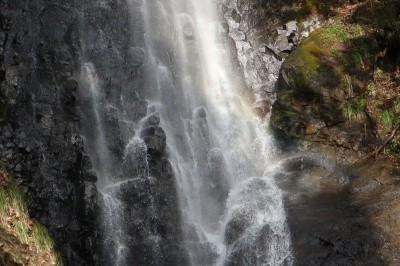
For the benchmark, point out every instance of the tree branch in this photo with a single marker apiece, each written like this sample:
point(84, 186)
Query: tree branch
point(376, 152)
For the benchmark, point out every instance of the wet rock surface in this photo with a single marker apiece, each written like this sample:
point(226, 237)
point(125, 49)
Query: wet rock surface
point(39, 128)
point(328, 226)
point(46, 105)
point(376, 192)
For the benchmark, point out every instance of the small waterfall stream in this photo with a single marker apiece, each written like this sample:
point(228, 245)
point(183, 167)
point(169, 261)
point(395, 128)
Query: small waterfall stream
point(221, 154)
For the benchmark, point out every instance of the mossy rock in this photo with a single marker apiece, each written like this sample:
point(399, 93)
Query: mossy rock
point(321, 91)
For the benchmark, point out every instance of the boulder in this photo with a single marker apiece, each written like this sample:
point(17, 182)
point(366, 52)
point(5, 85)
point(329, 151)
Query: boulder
point(155, 139)
point(314, 92)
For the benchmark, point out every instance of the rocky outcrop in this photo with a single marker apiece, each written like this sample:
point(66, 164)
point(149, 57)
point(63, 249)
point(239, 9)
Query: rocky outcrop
point(312, 91)
point(264, 37)
point(337, 89)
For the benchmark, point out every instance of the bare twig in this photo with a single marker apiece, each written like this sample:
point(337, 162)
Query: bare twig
point(392, 134)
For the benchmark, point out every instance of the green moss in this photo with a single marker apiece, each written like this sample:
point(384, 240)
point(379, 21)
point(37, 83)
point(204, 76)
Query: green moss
point(305, 10)
point(307, 55)
point(352, 62)
point(339, 56)
point(320, 44)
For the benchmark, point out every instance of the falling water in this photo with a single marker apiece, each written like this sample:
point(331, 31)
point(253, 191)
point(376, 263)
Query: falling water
point(221, 153)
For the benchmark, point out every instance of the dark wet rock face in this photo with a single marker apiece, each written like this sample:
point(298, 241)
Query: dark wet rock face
point(155, 138)
point(146, 218)
point(38, 56)
point(47, 105)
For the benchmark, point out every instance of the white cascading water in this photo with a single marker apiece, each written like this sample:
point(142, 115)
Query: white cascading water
point(221, 153)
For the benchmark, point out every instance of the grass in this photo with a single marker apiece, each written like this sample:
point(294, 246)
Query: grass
point(42, 238)
point(397, 105)
point(26, 242)
point(354, 111)
point(371, 89)
point(349, 85)
point(335, 32)
point(387, 118)
point(381, 76)
point(394, 148)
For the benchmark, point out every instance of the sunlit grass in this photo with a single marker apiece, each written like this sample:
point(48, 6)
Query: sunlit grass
point(15, 221)
point(41, 237)
point(354, 111)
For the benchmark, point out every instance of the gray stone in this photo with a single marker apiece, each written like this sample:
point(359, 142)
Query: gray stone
point(283, 43)
point(137, 55)
point(22, 135)
point(235, 16)
point(155, 139)
point(238, 35)
point(10, 145)
point(22, 145)
point(8, 134)
point(291, 27)
point(200, 113)
point(2, 37)
point(281, 32)
point(18, 168)
point(153, 120)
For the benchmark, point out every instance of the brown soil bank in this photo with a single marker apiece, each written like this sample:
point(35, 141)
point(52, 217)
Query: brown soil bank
point(339, 96)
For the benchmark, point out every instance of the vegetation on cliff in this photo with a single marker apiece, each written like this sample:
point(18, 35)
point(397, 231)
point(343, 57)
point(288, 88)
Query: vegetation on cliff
point(341, 86)
point(22, 240)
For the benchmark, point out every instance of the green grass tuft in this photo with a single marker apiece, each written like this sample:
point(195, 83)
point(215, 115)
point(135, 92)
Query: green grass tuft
point(354, 111)
point(335, 32)
point(387, 118)
point(29, 242)
point(41, 237)
point(371, 89)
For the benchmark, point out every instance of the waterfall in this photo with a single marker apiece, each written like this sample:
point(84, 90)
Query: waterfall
point(221, 153)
